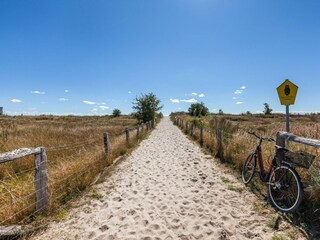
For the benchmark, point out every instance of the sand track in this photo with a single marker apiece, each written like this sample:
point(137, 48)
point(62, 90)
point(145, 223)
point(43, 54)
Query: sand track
point(166, 189)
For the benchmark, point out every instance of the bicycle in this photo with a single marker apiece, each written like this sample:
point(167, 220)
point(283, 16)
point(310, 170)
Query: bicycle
point(285, 188)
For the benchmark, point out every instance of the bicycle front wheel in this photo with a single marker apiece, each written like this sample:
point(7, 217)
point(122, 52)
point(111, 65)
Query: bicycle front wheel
point(249, 168)
point(285, 189)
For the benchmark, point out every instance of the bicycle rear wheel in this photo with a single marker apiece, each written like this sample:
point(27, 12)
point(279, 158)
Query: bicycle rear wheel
point(285, 189)
point(249, 168)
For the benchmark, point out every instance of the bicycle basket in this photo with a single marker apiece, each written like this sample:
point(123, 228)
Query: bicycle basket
point(299, 158)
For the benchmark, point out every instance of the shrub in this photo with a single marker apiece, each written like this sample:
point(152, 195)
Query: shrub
point(116, 112)
point(198, 110)
point(146, 107)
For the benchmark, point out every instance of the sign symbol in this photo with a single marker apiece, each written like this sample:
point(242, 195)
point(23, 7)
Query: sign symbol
point(287, 90)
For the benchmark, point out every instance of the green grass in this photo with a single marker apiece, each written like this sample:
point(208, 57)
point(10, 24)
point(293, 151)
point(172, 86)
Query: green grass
point(94, 194)
point(60, 215)
point(225, 179)
point(279, 237)
point(273, 223)
point(236, 189)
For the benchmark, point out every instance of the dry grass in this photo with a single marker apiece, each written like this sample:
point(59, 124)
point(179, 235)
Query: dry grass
point(75, 153)
point(237, 144)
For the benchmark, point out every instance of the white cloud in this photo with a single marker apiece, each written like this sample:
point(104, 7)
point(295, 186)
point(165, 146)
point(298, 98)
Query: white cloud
point(38, 92)
point(194, 94)
point(129, 92)
point(103, 107)
point(243, 87)
point(89, 102)
point(63, 99)
point(201, 95)
point(15, 100)
point(174, 100)
point(66, 91)
point(94, 110)
point(192, 100)
point(238, 103)
point(238, 92)
point(234, 98)
point(102, 103)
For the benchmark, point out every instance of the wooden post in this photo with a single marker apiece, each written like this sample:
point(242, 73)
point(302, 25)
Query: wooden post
point(187, 127)
point(41, 181)
point(219, 143)
point(280, 141)
point(128, 136)
point(152, 123)
point(192, 129)
point(138, 132)
point(106, 142)
point(201, 136)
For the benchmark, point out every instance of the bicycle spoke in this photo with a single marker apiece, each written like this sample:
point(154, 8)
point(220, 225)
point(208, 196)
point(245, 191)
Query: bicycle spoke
point(284, 189)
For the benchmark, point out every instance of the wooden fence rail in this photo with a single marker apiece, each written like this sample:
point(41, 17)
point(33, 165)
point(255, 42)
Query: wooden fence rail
point(282, 137)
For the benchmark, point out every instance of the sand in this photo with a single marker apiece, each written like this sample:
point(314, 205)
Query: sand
point(166, 189)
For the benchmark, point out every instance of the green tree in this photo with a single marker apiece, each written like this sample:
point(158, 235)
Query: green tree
point(267, 110)
point(221, 112)
point(146, 107)
point(116, 112)
point(198, 109)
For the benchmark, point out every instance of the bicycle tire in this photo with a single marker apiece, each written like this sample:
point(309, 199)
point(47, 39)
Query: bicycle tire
point(279, 183)
point(245, 177)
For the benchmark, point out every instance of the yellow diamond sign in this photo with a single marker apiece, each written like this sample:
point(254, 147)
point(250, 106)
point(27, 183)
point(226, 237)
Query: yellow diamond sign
point(287, 92)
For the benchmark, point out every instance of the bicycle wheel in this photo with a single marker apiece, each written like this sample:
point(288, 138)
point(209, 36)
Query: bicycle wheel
point(285, 189)
point(249, 168)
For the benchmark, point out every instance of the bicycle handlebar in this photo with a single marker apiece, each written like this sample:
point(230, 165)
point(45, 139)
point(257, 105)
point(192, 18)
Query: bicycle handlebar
point(262, 138)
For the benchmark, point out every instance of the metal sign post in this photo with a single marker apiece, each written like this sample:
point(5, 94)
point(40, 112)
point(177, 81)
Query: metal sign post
point(287, 119)
point(287, 92)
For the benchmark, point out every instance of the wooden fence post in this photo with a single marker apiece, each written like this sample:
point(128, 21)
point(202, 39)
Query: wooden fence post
point(138, 132)
point(192, 129)
point(219, 143)
point(41, 181)
point(106, 142)
point(128, 136)
point(187, 127)
point(201, 136)
point(152, 123)
point(280, 141)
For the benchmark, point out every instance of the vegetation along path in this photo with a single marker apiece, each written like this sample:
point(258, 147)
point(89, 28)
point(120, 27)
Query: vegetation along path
point(166, 189)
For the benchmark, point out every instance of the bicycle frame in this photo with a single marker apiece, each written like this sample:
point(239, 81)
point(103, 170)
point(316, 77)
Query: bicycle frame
point(264, 175)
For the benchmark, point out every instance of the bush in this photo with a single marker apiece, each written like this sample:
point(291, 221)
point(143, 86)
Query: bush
point(116, 112)
point(146, 107)
point(267, 110)
point(198, 110)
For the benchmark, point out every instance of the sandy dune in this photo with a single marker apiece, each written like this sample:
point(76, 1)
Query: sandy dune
point(166, 189)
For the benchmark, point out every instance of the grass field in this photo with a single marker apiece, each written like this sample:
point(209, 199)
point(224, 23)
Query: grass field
point(75, 152)
point(237, 144)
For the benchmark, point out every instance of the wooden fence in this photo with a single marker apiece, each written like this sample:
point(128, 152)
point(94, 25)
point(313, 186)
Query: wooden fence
point(191, 129)
point(281, 139)
point(285, 137)
point(40, 168)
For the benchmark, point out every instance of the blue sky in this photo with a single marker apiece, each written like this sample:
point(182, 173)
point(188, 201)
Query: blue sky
point(91, 56)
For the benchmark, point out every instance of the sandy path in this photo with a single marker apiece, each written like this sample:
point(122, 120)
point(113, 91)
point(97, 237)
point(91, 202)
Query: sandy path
point(166, 189)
